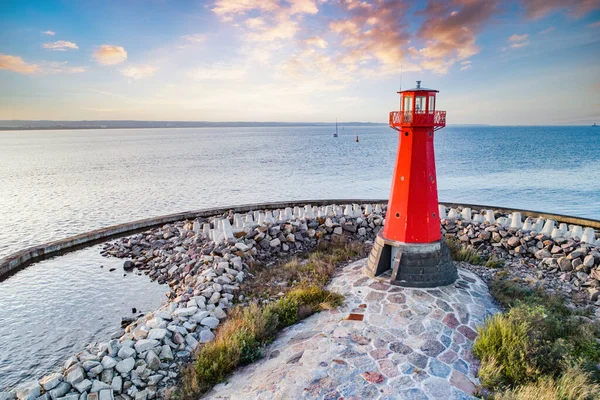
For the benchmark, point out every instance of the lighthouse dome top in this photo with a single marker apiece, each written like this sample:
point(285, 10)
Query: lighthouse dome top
point(418, 88)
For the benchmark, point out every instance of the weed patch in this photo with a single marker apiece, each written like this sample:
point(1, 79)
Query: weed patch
point(537, 346)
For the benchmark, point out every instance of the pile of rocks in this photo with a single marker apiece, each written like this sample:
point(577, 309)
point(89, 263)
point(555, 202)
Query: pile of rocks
point(204, 261)
point(556, 261)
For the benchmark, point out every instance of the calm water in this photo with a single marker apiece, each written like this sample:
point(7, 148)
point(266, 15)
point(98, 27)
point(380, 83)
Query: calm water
point(54, 184)
point(54, 308)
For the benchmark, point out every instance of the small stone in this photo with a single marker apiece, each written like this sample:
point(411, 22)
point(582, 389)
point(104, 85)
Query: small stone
point(108, 362)
point(338, 230)
point(117, 384)
point(126, 352)
point(83, 386)
point(145, 344)
point(219, 313)
point(588, 261)
point(126, 365)
point(565, 264)
point(191, 341)
point(98, 386)
point(157, 333)
point(59, 391)
point(373, 377)
point(275, 242)
point(211, 322)
point(206, 336)
point(152, 361)
point(49, 382)
point(166, 353)
point(106, 394)
point(75, 374)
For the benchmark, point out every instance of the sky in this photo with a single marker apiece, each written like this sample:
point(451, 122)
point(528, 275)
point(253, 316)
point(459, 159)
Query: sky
point(511, 62)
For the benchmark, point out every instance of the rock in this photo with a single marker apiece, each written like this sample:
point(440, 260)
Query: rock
point(126, 365)
point(145, 344)
point(514, 241)
point(338, 230)
point(49, 382)
point(211, 322)
point(191, 341)
point(98, 386)
point(126, 352)
point(157, 333)
point(128, 265)
point(185, 312)
point(59, 391)
point(108, 362)
point(71, 396)
point(275, 242)
point(7, 396)
point(219, 313)
point(152, 361)
point(75, 374)
point(588, 261)
point(373, 377)
point(166, 353)
point(565, 264)
point(106, 394)
point(117, 384)
point(214, 298)
point(83, 386)
point(28, 391)
point(576, 262)
point(543, 253)
point(206, 336)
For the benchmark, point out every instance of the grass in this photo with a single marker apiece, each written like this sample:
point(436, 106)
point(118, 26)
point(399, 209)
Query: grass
point(539, 348)
point(241, 338)
point(459, 252)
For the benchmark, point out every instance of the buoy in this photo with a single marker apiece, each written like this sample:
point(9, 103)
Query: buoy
point(356, 138)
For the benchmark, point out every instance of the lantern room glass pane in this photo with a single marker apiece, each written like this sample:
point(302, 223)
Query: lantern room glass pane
point(407, 103)
point(431, 104)
point(420, 104)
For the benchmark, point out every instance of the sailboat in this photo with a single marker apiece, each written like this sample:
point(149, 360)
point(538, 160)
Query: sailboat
point(336, 131)
point(594, 125)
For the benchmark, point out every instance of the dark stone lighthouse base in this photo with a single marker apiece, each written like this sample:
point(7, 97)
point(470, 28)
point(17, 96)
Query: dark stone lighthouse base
point(413, 265)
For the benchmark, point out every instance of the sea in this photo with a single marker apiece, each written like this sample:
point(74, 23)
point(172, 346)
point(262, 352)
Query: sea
point(58, 183)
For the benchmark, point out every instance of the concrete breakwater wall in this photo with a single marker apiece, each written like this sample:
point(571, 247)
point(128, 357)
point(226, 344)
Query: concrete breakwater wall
point(17, 260)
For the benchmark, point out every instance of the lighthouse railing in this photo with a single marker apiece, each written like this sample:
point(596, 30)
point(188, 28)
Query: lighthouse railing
point(400, 118)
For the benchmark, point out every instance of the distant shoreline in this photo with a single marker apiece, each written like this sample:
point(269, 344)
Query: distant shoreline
point(21, 125)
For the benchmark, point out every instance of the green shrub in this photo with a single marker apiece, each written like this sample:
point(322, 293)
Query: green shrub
point(573, 384)
point(538, 339)
point(494, 262)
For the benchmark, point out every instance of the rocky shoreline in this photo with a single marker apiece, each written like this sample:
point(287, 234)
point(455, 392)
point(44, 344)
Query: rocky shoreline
point(204, 262)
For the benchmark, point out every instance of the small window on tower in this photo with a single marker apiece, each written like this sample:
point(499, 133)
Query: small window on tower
point(420, 104)
point(431, 104)
point(407, 103)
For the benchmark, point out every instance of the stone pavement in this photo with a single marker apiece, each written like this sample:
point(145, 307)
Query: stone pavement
point(385, 342)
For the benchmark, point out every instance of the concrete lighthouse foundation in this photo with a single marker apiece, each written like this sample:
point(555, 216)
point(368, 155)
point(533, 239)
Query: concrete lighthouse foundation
point(411, 264)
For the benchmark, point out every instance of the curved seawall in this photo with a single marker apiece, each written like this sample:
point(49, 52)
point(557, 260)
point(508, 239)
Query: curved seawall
point(19, 259)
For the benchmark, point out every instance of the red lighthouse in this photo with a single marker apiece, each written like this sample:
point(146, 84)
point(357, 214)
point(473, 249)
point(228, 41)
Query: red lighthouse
point(410, 244)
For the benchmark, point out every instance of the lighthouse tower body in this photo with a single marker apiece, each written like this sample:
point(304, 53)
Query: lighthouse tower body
point(410, 243)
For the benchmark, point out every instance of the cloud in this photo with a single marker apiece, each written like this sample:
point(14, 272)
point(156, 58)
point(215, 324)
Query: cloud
point(546, 31)
point(16, 64)
point(60, 45)
point(61, 67)
point(49, 33)
point(518, 45)
point(108, 54)
point(138, 71)
point(218, 72)
point(518, 38)
point(466, 62)
point(450, 29)
point(536, 9)
point(194, 38)
point(316, 41)
point(594, 24)
point(465, 67)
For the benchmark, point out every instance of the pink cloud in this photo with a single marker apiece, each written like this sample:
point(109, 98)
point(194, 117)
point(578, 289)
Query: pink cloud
point(536, 9)
point(546, 31)
point(594, 24)
point(450, 29)
point(108, 54)
point(16, 64)
point(49, 33)
point(517, 45)
point(518, 38)
point(60, 45)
